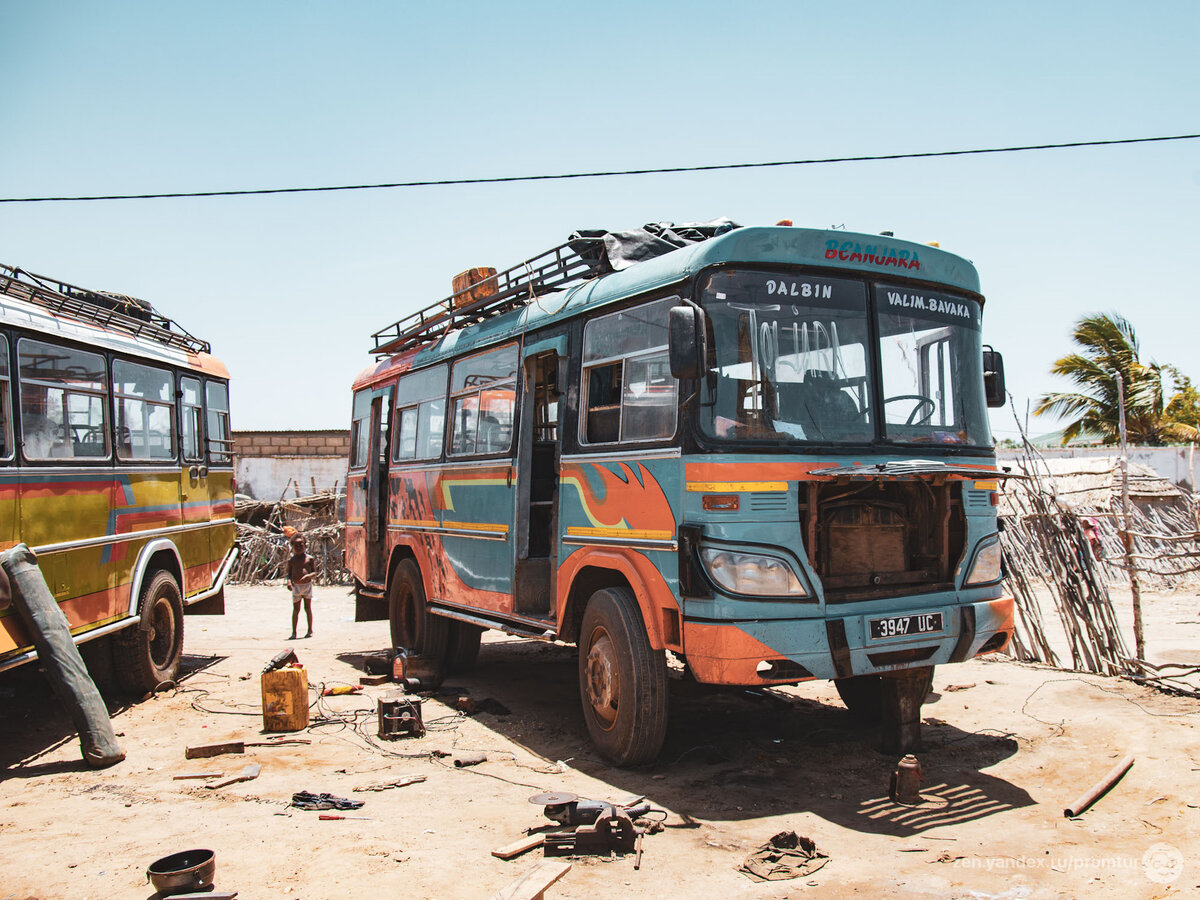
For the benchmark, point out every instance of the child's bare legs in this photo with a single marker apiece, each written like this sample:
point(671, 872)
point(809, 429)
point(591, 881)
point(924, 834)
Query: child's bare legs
point(307, 612)
point(296, 617)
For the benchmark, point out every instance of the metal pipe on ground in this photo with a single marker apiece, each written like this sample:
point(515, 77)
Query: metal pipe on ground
point(51, 635)
point(1096, 791)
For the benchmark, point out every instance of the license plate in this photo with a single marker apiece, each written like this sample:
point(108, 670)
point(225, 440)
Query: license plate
point(899, 626)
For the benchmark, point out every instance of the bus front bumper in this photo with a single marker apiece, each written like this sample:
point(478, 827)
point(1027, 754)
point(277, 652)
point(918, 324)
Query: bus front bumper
point(762, 652)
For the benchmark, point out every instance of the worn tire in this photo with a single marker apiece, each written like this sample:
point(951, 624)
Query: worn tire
point(622, 680)
point(413, 627)
point(863, 694)
point(146, 658)
point(462, 649)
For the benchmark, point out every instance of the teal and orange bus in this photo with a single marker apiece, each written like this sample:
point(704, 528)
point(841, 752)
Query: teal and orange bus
point(764, 450)
point(116, 469)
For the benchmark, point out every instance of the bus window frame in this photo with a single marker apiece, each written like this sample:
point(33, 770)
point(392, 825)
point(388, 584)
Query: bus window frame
point(104, 395)
point(7, 429)
point(355, 428)
point(116, 397)
point(201, 423)
point(586, 366)
point(224, 455)
point(478, 391)
point(409, 405)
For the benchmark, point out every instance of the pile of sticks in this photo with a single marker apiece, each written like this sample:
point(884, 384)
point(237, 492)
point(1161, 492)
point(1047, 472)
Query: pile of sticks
point(263, 534)
point(1073, 553)
point(1045, 548)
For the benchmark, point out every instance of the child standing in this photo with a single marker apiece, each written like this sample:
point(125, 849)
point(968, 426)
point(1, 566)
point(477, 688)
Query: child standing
point(302, 568)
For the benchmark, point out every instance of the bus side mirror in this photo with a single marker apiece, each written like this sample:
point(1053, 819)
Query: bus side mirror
point(688, 342)
point(993, 377)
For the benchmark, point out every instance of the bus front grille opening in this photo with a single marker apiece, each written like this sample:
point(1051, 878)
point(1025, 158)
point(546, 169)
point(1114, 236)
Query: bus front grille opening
point(883, 538)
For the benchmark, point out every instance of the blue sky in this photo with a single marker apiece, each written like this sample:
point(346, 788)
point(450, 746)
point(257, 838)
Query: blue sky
point(125, 97)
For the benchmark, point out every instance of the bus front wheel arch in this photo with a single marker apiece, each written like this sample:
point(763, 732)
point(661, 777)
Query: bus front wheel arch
point(147, 655)
point(622, 680)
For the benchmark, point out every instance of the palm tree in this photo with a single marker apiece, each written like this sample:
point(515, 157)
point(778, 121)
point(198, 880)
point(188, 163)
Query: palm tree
point(1109, 347)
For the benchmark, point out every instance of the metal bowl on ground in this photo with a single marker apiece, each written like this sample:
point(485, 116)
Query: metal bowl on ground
point(181, 873)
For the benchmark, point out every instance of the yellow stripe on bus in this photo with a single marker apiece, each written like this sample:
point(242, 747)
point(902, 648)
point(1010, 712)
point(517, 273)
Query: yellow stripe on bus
point(477, 526)
point(637, 534)
point(731, 487)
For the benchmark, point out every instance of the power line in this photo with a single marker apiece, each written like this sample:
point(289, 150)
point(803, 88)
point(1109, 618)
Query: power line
point(610, 174)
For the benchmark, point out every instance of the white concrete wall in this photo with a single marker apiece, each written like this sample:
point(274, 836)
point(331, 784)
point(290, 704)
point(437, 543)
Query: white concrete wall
point(265, 477)
point(1179, 465)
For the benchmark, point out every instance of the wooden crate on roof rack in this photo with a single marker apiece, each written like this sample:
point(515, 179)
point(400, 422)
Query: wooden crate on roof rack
point(493, 294)
point(473, 286)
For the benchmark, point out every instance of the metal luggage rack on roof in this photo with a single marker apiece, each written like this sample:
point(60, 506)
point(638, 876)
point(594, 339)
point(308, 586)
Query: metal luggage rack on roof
point(120, 313)
point(575, 261)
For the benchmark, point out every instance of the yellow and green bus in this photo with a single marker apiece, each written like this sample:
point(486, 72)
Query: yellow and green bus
point(116, 469)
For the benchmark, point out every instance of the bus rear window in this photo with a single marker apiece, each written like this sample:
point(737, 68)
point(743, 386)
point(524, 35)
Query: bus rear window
point(220, 444)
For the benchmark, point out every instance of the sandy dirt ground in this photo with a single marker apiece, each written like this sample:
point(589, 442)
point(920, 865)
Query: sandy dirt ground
point(1007, 747)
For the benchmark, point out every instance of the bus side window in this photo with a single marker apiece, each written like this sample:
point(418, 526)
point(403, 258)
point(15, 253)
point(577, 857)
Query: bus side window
point(360, 430)
point(630, 394)
point(485, 393)
point(64, 395)
point(420, 414)
point(191, 419)
point(6, 435)
point(144, 405)
point(220, 444)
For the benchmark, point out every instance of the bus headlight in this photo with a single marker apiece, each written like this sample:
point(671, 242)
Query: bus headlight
point(751, 574)
point(986, 567)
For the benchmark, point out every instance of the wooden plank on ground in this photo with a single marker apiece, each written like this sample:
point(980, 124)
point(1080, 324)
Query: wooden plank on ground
point(532, 885)
point(516, 848)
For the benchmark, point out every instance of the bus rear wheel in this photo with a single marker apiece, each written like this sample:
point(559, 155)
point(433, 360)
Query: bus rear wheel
point(462, 649)
point(148, 654)
point(622, 680)
point(414, 627)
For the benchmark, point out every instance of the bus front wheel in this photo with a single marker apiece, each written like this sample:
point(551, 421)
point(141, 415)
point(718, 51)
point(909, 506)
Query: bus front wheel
point(622, 680)
point(414, 627)
point(148, 654)
point(863, 694)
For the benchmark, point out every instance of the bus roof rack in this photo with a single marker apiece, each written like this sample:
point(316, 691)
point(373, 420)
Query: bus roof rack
point(586, 254)
point(575, 261)
point(116, 311)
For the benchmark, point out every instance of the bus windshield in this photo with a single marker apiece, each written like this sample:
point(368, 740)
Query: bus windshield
point(790, 360)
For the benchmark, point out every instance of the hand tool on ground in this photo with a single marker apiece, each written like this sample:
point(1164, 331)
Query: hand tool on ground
point(206, 750)
point(196, 775)
point(594, 826)
point(280, 659)
point(249, 773)
point(568, 809)
point(341, 689)
point(325, 817)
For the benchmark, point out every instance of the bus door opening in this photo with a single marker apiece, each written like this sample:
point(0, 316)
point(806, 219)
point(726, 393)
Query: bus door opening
point(537, 475)
point(376, 484)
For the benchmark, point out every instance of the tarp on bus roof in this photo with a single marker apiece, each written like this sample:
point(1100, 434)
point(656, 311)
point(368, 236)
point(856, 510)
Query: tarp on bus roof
point(616, 250)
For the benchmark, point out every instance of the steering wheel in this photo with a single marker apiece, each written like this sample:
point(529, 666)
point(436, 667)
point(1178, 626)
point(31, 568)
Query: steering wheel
point(923, 402)
point(88, 434)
